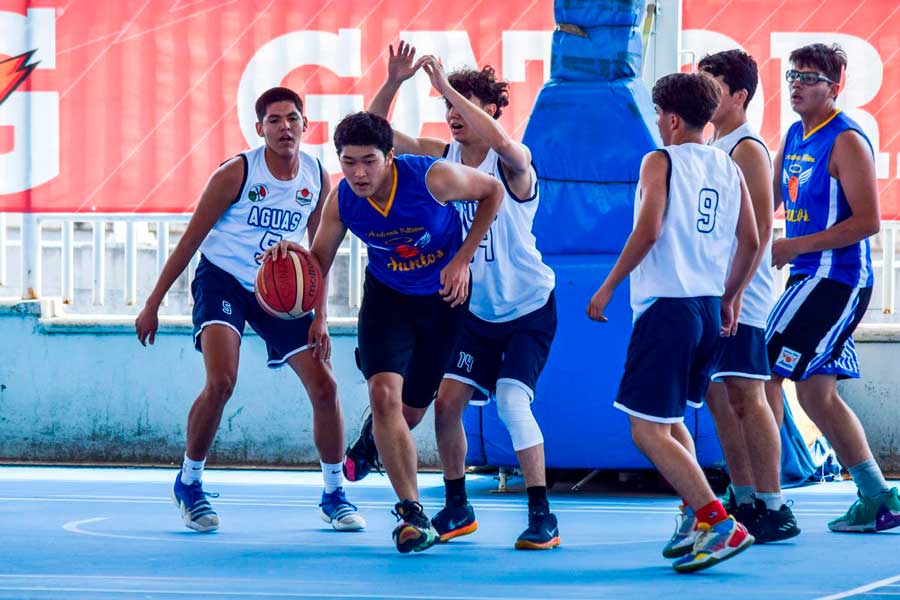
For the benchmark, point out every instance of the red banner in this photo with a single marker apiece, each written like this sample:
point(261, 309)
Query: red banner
point(129, 105)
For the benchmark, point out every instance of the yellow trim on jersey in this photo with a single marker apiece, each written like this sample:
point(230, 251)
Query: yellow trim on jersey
point(387, 207)
point(822, 124)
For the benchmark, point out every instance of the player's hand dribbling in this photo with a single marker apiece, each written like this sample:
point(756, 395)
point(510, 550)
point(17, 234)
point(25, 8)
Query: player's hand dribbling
point(146, 324)
point(598, 304)
point(319, 339)
point(400, 65)
point(280, 250)
point(455, 281)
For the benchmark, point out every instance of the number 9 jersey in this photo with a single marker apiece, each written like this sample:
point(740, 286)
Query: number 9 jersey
point(266, 211)
point(692, 255)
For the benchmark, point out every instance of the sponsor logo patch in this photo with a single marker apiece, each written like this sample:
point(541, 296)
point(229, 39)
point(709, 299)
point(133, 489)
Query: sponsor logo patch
point(788, 359)
point(257, 192)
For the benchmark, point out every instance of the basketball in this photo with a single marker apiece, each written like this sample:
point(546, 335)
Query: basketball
point(290, 287)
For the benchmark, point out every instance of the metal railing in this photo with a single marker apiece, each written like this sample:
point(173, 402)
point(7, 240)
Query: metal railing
point(135, 233)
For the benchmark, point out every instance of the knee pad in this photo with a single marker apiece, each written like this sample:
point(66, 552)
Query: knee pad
point(514, 409)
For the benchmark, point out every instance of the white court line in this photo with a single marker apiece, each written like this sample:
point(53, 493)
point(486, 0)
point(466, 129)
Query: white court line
point(249, 594)
point(862, 589)
point(75, 527)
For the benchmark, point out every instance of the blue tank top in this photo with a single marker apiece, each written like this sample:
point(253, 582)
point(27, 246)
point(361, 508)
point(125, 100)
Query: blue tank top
point(815, 201)
point(413, 238)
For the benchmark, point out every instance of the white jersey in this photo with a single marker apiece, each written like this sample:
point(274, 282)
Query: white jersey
point(759, 297)
point(691, 257)
point(509, 277)
point(266, 211)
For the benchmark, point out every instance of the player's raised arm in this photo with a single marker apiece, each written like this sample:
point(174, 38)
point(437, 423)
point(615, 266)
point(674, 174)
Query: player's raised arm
point(516, 157)
point(448, 182)
point(402, 66)
point(219, 193)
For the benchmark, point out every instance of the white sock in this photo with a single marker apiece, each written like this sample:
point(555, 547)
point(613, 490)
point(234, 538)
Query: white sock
point(743, 494)
point(191, 470)
point(868, 478)
point(772, 500)
point(333, 476)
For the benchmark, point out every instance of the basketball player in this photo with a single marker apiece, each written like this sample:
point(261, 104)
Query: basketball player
point(417, 284)
point(690, 205)
point(747, 427)
point(825, 175)
point(251, 202)
point(512, 314)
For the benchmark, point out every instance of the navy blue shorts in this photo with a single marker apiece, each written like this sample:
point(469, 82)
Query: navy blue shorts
point(413, 336)
point(515, 351)
point(668, 360)
point(220, 299)
point(742, 355)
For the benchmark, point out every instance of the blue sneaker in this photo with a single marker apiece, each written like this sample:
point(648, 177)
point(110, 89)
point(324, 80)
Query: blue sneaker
point(196, 511)
point(342, 515)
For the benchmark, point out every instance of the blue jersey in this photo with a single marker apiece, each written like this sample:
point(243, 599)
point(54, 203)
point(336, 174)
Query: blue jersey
point(815, 201)
point(413, 238)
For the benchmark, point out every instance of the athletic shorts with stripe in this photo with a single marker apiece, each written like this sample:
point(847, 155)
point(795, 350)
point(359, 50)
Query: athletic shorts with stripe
point(742, 355)
point(220, 299)
point(809, 329)
point(515, 351)
point(669, 356)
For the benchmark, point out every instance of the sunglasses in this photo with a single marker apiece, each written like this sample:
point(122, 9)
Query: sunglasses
point(806, 77)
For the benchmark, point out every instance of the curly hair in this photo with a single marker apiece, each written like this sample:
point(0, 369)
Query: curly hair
point(692, 96)
point(736, 68)
point(483, 85)
point(831, 60)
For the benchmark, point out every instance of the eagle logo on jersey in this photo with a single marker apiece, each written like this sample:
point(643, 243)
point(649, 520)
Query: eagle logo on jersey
point(793, 182)
point(304, 197)
point(258, 192)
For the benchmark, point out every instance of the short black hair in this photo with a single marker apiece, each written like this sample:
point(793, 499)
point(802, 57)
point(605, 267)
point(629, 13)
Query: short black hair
point(831, 60)
point(736, 68)
point(273, 95)
point(482, 84)
point(364, 129)
point(692, 96)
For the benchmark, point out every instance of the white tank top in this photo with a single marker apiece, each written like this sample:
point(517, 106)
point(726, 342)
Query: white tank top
point(759, 297)
point(691, 257)
point(266, 211)
point(509, 277)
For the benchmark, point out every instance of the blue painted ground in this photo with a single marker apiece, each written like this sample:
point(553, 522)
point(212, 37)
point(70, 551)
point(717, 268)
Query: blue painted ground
point(113, 533)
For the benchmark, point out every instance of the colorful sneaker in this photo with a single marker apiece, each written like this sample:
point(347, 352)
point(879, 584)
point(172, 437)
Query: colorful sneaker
point(685, 534)
point(542, 532)
point(772, 525)
point(415, 533)
point(714, 544)
point(870, 514)
point(454, 521)
point(362, 455)
point(196, 511)
point(342, 515)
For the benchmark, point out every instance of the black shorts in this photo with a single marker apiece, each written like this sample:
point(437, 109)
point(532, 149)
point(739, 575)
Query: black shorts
point(220, 299)
point(413, 336)
point(515, 351)
point(809, 329)
point(669, 356)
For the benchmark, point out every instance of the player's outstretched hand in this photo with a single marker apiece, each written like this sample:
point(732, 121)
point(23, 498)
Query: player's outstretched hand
point(319, 339)
point(435, 71)
point(400, 65)
point(146, 324)
point(455, 281)
point(280, 250)
point(598, 304)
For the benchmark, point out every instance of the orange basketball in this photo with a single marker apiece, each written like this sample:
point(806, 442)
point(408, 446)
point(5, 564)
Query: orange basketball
point(290, 287)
